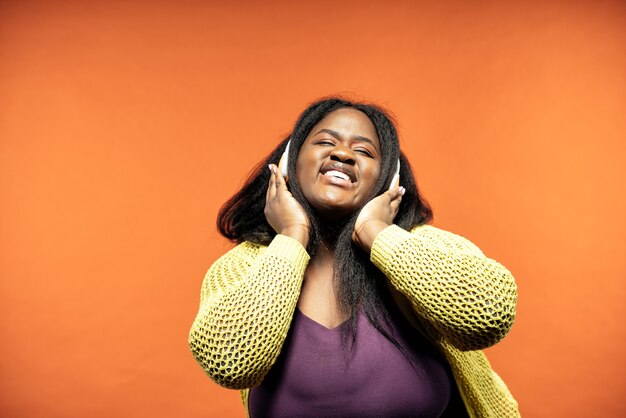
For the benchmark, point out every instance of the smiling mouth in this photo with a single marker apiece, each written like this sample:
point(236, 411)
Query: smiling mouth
point(338, 174)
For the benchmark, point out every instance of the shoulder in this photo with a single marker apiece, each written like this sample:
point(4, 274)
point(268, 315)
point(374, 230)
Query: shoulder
point(246, 253)
point(445, 239)
point(241, 255)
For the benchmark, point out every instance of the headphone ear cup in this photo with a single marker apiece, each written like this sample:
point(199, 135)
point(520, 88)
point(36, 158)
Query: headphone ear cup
point(395, 181)
point(283, 164)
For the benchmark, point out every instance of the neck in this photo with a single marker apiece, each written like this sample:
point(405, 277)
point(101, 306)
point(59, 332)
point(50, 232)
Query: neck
point(323, 257)
point(329, 231)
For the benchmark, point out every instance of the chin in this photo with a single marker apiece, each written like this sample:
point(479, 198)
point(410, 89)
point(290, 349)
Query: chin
point(334, 210)
point(333, 204)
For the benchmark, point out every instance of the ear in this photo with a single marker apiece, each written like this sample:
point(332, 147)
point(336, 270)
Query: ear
point(283, 164)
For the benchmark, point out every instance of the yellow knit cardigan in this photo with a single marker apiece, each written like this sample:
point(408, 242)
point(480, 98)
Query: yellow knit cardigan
point(461, 299)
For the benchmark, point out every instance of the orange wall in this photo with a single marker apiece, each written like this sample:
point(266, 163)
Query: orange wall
point(125, 125)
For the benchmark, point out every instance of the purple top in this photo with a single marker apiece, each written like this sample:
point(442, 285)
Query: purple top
point(313, 378)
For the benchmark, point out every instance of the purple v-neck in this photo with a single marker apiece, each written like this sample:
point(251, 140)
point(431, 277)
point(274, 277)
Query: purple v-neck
point(314, 323)
point(313, 377)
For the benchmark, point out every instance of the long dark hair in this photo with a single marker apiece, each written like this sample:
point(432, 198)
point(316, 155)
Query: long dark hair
point(357, 284)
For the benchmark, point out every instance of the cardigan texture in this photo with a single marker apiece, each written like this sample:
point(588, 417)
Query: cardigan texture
point(460, 299)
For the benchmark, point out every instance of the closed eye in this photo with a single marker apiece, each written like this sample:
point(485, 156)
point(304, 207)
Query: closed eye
point(330, 142)
point(365, 152)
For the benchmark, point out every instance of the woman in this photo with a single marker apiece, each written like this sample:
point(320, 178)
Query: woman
point(339, 300)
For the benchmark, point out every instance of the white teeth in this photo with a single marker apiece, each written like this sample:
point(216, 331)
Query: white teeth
point(338, 174)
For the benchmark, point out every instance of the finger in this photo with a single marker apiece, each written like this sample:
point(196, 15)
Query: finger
point(395, 203)
point(281, 184)
point(399, 192)
point(397, 198)
point(393, 194)
point(396, 194)
point(394, 207)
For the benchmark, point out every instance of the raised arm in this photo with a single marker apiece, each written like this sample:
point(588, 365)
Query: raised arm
point(468, 299)
point(249, 296)
point(463, 296)
point(247, 301)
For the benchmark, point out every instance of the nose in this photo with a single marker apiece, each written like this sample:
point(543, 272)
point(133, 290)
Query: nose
point(342, 154)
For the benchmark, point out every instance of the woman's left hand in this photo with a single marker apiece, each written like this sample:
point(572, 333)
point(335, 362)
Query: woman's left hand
point(375, 216)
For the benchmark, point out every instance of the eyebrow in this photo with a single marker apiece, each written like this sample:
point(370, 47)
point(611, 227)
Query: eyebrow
point(357, 137)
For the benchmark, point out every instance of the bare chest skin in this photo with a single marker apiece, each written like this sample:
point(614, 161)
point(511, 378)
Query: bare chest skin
point(317, 296)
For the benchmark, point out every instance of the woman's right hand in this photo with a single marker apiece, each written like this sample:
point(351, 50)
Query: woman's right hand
point(282, 210)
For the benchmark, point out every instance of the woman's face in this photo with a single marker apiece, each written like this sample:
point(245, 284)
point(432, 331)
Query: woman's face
point(339, 163)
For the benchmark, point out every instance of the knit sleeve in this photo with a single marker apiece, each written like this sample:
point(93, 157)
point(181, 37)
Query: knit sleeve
point(246, 305)
point(467, 298)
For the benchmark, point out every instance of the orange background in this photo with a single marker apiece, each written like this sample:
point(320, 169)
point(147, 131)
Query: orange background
point(125, 125)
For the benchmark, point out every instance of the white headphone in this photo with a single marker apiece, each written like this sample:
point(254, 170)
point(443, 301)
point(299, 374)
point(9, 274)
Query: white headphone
point(283, 164)
point(395, 181)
